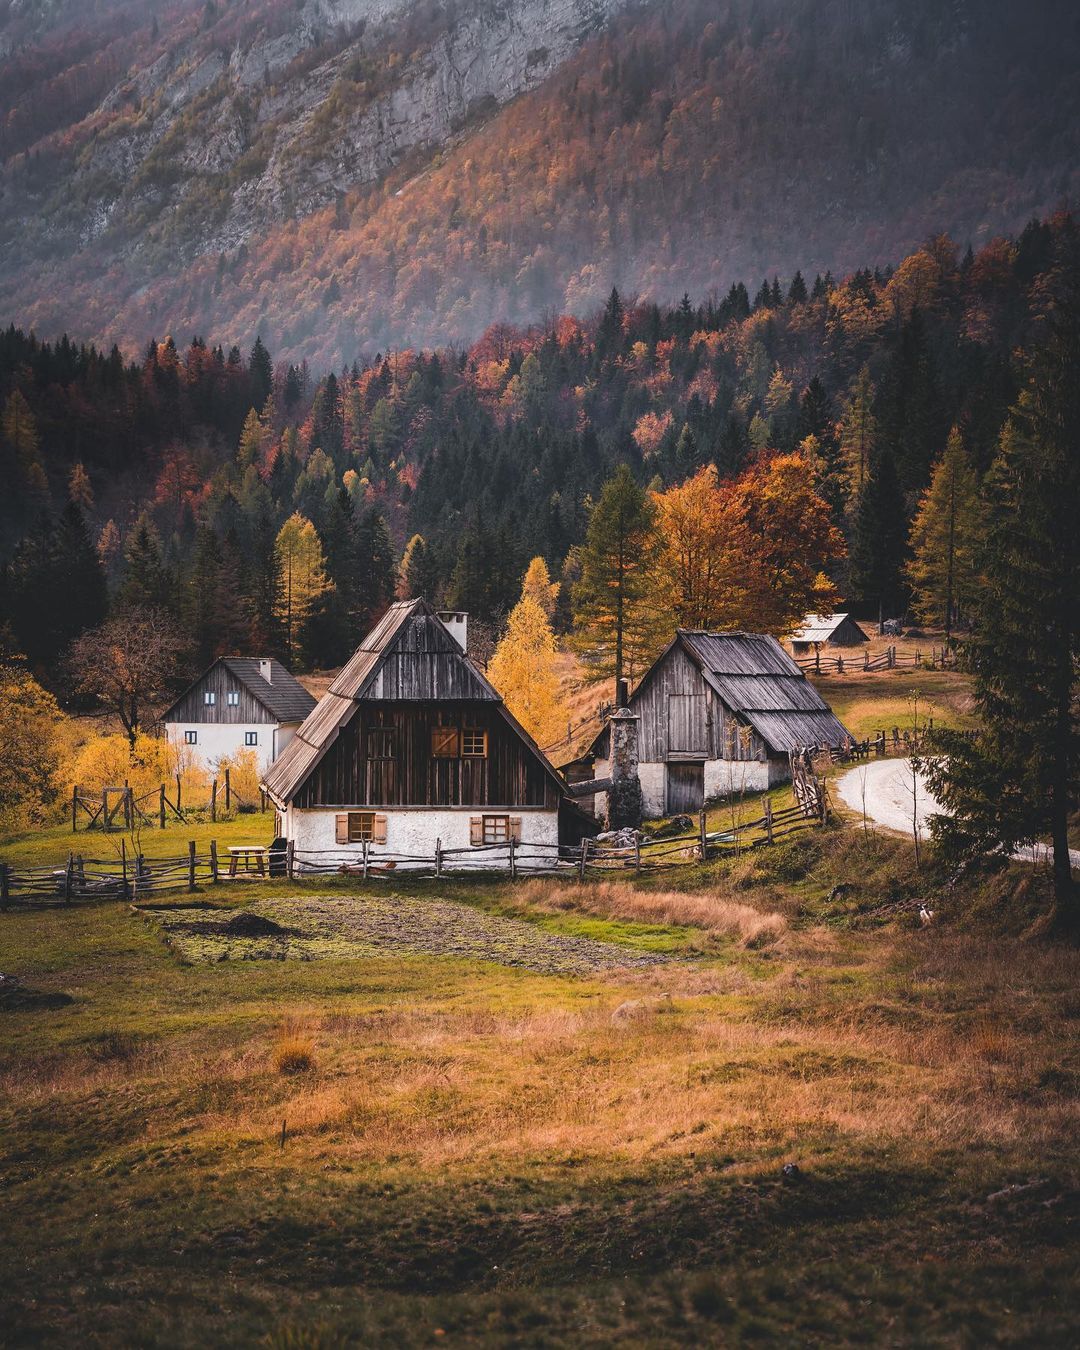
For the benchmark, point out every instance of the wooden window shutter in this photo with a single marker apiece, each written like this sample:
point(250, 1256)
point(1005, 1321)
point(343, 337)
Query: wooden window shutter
point(341, 829)
point(378, 834)
point(476, 829)
point(515, 829)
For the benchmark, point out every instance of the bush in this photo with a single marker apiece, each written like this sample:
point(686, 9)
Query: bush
point(294, 1055)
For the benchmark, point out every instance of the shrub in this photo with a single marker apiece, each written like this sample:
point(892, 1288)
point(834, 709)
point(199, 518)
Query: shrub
point(294, 1055)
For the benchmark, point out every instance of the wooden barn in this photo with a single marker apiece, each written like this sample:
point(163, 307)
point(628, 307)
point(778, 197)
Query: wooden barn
point(240, 703)
point(826, 630)
point(718, 714)
point(411, 744)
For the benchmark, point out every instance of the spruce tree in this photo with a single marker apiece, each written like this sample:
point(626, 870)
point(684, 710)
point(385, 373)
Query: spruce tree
point(879, 538)
point(944, 537)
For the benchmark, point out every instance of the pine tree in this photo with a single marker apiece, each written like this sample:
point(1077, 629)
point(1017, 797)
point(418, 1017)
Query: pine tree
point(878, 538)
point(79, 490)
point(1017, 782)
point(260, 373)
point(418, 574)
point(251, 441)
point(20, 432)
point(944, 537)
point(145, 580)
point(304, 584)
point(857, 434)
point(539, 585)
point(618, 625)
point(524, 669)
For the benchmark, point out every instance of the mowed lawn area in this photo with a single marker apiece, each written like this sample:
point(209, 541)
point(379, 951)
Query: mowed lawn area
point(880, 700)
point(480, 1153)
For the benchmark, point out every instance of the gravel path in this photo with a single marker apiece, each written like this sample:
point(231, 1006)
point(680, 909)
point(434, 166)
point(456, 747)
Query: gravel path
point(890, 804)
point(351, 927)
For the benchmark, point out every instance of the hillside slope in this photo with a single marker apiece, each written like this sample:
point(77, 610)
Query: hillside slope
point(340, 176)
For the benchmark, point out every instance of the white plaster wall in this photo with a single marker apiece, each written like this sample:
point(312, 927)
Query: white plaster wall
point(219, 739)
point(653, 790)
point(729, 777)
point(414, 832)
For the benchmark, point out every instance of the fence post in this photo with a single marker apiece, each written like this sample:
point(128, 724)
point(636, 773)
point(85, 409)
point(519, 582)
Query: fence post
point(123, 868)
point(191, 865)
point(637, 851)
point(129, 810)
point(584, 858)
point(67, 878)
point(866, 658)
point(82, 869)
point(105, 810)
point(839, 665)
point(5, 885)
point(513, 860)
point(702, 834)
point(438, 857)
point(365, 856)
point(228, 791)
point(213, 862)
point(74, 808)
point(161, 806)
point(290, 859)
point(177, 794)
point(768, 820)
point(213, 801)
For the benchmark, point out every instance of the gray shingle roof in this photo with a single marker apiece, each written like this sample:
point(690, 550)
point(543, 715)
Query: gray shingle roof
point(282, 694)
point(821, 627)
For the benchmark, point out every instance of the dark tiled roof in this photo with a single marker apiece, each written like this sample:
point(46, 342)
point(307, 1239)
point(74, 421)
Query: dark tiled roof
point(283, 694)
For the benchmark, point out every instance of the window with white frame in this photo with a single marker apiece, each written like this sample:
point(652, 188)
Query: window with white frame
point(191, 738)
point(209, 698)
point(251, 738)
point(232, 698)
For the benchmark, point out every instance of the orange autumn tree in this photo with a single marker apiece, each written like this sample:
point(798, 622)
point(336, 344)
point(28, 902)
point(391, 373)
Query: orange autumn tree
point(749, 553)
point(792, 542)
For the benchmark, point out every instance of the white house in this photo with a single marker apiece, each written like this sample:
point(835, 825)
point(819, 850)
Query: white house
point(412, 745)
point(240, 703)
point(716, 715)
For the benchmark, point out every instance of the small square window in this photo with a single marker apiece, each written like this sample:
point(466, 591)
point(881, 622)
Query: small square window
point(251, 738)
point(474, 743)
point(209, 698)
point(361, 827)
point(232, 698)
point(191, 738)
point(496, 829)
point(444, 742)
point(380, 743)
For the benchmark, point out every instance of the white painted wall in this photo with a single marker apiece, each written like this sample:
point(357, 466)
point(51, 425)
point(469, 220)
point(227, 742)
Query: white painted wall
point(730, 777)
point(414, 832)
point(218, 739)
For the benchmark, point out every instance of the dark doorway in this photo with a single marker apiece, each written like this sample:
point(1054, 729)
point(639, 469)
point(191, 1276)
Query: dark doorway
point(685, 788)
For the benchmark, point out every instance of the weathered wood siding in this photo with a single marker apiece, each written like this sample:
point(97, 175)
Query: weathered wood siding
point(510, 774)
point(681, 715)
point(219, 681)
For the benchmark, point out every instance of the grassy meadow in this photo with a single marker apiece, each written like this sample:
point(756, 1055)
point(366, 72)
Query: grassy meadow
point(479, 1153)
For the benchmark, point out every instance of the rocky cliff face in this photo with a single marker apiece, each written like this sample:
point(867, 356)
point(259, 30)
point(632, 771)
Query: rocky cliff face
point(228, 130)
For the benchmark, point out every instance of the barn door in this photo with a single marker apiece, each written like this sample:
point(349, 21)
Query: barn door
point(685, 788)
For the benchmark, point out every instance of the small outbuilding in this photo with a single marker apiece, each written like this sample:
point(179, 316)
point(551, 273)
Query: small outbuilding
point(826, 630)
point(716, 715)
point(239, 703)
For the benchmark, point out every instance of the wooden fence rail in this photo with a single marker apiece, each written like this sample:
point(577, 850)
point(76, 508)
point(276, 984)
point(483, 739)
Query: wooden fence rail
point(938, 658)
point(128, 877)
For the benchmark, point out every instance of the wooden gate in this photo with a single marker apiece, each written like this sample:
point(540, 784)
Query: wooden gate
point(685, 788)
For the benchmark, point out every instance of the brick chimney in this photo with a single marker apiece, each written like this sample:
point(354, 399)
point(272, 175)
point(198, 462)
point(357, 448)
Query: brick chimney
point(624, 795)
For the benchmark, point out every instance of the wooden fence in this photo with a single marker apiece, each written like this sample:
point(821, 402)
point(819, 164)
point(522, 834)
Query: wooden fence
point(129, 877)
point(938, 658)
point(120, 808)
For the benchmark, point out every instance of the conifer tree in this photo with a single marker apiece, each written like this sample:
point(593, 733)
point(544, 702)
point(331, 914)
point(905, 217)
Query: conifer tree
point(878, 538)
point(418, 574)
point(251, 441)
point(1017, 782)
point(145, 580)
point(944, 537)
point(303, 581)
point(539, 585)
point(261, 373)
point(524, 669)
point(20, 432)
point(618, 626)
point(857, 434)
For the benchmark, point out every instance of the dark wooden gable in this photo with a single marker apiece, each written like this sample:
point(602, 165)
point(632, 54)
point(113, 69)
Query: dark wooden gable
point(219, 680)
point(383, 757)
point(425, 663)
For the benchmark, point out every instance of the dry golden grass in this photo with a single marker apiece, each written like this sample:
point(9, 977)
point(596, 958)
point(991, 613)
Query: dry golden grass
point(710, 911)
point(294, 1053)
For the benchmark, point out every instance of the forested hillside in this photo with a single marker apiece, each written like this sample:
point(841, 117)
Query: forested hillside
point(200, 480)
point(345, 176)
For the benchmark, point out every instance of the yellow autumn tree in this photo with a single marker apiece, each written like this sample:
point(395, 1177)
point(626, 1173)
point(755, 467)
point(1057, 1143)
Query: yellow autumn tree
point(539, 585)
point(302, 569)
point(700, 570)
point(524, 670)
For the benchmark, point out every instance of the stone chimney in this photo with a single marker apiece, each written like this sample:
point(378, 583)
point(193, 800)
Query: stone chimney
point(266, 670)
point(624, 795)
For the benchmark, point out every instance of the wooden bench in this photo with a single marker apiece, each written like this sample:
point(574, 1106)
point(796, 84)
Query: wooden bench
point(248, 853)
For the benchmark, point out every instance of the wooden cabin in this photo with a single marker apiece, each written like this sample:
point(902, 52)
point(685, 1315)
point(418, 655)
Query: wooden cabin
point(240, 703)
point(412, 744)
point(826, 630)
point(718, 715)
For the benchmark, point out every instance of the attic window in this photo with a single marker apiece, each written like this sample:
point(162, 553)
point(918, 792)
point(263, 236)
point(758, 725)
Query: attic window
point(474, 743)
point(232, 698)
point(209, 698)
point(445, 742)
point(380, 743)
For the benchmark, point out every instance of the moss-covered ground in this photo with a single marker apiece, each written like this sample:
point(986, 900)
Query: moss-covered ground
point(403, 1148)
